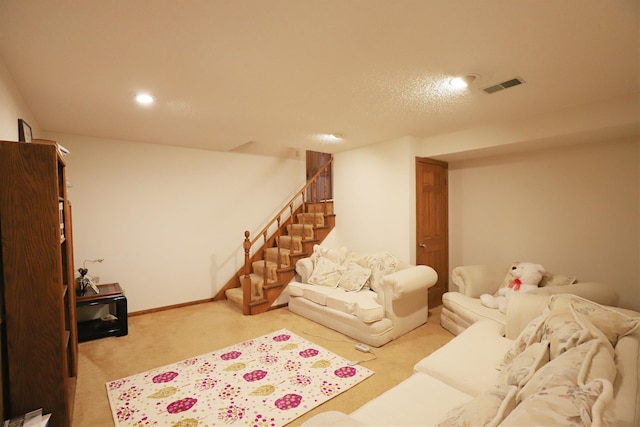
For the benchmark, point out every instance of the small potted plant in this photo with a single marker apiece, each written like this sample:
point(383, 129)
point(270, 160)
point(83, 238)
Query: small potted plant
point(84, 281)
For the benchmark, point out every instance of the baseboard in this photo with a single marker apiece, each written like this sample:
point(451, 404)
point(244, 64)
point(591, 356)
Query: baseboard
point(170, 307)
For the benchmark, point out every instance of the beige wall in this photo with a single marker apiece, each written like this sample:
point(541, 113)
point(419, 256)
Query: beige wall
point(374, 193)
point(573, 209)
point(169, 222)
point(12, 108)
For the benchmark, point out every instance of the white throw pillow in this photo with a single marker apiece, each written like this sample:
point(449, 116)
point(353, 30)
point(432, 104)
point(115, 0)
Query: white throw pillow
point(574, 367)
point(336, 256)
point(354, 277)
point(381, 264)
point(326, 273)
point(523, 366)
point(486, 409)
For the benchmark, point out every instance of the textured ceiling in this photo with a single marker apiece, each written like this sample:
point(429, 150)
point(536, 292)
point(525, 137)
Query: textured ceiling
point(270, 76)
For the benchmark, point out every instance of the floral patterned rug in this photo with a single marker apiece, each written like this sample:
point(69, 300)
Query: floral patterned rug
point(264, 382)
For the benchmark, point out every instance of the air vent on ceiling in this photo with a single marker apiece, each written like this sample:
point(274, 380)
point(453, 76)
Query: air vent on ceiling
point(504, 85)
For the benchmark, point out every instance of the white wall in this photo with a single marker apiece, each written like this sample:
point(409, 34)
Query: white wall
point(573, 209)
point(374, 193)
point(12, 108)
point(169, 221)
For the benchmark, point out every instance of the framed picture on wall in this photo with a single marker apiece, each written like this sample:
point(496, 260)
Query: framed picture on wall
point(24, 131)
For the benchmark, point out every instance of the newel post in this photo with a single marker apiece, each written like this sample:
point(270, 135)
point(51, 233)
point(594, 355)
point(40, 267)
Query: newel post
point(246, 282)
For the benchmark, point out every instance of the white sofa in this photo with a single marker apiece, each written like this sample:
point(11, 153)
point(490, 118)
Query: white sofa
point(591, 383)
point(462, 308)
point(372, 298)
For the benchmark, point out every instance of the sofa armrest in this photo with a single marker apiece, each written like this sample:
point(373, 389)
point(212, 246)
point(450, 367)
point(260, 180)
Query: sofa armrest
point(523, 308)
point(475, 280)
point(304, 268)
point(409, 280)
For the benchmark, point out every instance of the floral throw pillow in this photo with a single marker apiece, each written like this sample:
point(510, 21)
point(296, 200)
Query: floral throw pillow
point(523, 366)
point(381, 265)
point(326, 273)
point(336, 256)
point(486, 409)
point(565, 405)
point(532, 333)
point(354, 277)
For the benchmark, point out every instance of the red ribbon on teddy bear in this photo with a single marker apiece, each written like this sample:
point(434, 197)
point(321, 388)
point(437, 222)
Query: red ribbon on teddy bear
point(515, 285)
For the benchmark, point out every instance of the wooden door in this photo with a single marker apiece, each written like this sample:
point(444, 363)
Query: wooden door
point(323, 190)
point(432, 223)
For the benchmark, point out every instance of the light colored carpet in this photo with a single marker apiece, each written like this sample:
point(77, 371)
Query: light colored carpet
point(165, 337)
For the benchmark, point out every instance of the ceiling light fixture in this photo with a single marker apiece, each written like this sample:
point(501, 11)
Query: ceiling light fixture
point(462, 82)
point(144, 99)
point(328, 138)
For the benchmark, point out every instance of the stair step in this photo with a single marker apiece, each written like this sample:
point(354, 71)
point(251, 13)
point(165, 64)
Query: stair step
point(303, 230)
point(315, 219)
point(272, 255)
point(235, 295)
point(271, 270)
point(293, 243)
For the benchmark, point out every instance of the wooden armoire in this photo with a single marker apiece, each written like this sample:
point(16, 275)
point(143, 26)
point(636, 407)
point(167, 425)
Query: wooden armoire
point(39, 332)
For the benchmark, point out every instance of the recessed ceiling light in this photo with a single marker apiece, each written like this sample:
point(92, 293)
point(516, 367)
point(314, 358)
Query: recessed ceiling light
point(462, 82)
point(144, 99)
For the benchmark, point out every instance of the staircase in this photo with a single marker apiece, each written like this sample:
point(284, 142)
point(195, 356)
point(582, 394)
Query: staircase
point(270, 258)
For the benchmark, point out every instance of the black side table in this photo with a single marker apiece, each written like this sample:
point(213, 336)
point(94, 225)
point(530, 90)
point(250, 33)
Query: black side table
point(110, 294)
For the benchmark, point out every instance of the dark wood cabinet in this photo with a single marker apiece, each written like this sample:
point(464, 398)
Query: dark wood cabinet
point(39, 332)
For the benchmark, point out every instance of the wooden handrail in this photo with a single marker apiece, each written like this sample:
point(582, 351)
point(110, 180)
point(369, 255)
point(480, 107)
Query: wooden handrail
point(291, 203)
point(248, 244)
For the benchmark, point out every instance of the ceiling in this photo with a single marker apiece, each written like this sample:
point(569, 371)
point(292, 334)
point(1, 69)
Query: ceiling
point(270, 76)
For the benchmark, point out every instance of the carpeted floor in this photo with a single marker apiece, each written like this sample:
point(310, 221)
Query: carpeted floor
point(165, 337)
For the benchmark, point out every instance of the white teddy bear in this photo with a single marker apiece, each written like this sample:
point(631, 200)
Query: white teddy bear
point(526, 276)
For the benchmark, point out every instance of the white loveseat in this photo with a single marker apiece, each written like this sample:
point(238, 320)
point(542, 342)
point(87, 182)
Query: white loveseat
point(462, 308)
point(576, 364)
point(372, 298)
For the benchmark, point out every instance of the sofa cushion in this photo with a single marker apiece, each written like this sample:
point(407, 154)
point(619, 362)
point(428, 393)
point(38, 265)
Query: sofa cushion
point(470, 309)
point(362, 304)
point(451, 362)
point(420, 399)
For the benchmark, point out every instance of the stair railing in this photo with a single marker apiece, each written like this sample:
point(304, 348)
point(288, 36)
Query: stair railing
point(310, 190)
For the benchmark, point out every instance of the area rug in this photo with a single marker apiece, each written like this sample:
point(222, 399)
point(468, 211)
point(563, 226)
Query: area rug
point(264, 382)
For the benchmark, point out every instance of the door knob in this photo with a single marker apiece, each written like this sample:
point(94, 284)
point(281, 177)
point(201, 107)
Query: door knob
point(422, 245)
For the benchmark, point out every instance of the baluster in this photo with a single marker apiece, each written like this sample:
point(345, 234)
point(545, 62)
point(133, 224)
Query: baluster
point(279, 261)
point(264, 259)
point(246, 283)
point(291, 222)
point(326, 188)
